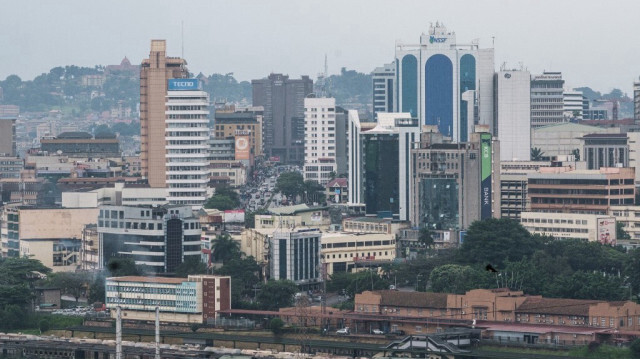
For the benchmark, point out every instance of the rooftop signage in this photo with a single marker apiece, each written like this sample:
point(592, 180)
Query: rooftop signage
point(184, 85)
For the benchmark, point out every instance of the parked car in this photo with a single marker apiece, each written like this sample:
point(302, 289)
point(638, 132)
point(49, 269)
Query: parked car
point(378, 331)
point(397, 332)
point(343, 331)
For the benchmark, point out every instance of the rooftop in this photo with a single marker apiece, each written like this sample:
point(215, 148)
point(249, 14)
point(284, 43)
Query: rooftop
point(412, 299)
point(556, 306)
point(133, 278)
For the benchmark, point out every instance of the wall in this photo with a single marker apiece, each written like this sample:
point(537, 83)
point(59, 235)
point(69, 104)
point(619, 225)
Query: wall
point(55, 223)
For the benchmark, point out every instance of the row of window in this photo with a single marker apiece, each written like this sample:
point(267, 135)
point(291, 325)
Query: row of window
point(358, 244)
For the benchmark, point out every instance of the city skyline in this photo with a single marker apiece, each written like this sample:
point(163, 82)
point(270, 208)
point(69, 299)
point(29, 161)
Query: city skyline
point(296, 43)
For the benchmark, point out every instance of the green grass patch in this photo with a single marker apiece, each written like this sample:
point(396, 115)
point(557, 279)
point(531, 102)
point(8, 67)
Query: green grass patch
point(602, 352)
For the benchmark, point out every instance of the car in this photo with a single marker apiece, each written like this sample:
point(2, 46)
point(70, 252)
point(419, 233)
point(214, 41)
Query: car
point(378, 331)
point(397, 332)
point(343, 331)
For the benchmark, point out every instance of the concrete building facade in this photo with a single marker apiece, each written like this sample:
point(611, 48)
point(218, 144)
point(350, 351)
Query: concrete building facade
point(384, 88)
point(513, 114)
point(563, 139)
point(154, 75)
point(295, 255)
point(547, 99)
point(161, 237)
point(228, 125)
point(320, 146)
point(187, 142)
point(562, 189)
point(283, 125)
point(7, 136)
point(588, 227)
point(445, 83)
point(196, 299)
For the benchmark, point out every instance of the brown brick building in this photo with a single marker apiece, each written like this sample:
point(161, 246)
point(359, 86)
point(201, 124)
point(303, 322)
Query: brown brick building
point(501, 312)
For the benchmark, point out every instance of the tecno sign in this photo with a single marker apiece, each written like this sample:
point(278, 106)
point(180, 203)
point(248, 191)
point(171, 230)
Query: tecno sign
point(433, 39)
point(184, 84)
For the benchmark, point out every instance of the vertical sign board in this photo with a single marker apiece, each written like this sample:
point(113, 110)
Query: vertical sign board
point(242, 148)
point(607, 230)
point(485, 176)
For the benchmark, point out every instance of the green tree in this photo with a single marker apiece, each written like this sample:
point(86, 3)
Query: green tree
point(43, 325)
point(21, 271)
point(96, 290)
point(425, 238)
point(276, 325)
point(225, 248)
point(536, 154)
point(621, 234)
point(576, 154)
point(224, 199)
point(314, 191)
point(492, 241)
point(583, 285)
point(276, 294)
point(290, 184)
point(245, 274)
point(458, 279)
point(355, 283)
point(190, 266)
point(634, 348)
point(120, 267)
point(74, 284)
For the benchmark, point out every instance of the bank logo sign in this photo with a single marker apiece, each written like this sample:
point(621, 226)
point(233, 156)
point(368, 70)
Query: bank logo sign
point(184, 84)
point(433, 39)
point(485, 175)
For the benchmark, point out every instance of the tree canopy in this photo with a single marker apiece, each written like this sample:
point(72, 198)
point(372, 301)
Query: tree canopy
point(224, 199)
point(276, 294)
point(290, 184)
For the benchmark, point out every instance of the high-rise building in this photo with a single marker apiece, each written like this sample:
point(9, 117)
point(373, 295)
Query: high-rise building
point(444, 83)
point(319, 139)
point(454, 184)
point(295, 255)
point(572, 105)
point(7, 136)
point(154, 75)
point(283, 125)
point(513, 114)
point(384, 84)
point(636, 100)
point(547, 99)
point(187, 142)
point(380, 166)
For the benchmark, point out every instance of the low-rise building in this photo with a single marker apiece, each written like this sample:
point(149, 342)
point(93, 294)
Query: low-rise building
point(61, 255)
point(82, 144)
point(373, 225)
point(295, 255)
point(513, 186)
point(346, 252)
point(563, 189)
point(629, 217)
point(589, 227)
point(196, 299)
point(338, 190)
point(231, 173)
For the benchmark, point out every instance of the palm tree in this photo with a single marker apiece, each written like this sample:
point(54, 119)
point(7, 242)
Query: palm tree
point(225, 248)
point(536, 154)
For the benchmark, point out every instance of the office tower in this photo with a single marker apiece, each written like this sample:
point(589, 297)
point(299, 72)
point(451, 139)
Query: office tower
point(319, 139)
point(547, 99)
point(160, 237)
point(7, 136)
point(572, 105)
point(295, 256)
point(154, 75)
point(455, 184)
point(513, 114)
point(379, 162)
point(384, 84)
point(239, 123)
point(283, 125)
point(434, 76)
point(187, 142)
point(636, 101)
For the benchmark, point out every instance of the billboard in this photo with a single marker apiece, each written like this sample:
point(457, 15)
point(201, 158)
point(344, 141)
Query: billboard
point(607, 230)
point(184, 85)
point(234, 216)
point(485, 176)
point(243, 149)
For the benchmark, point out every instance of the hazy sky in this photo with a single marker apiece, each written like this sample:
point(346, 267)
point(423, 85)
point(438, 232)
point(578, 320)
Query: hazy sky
point(594, 43)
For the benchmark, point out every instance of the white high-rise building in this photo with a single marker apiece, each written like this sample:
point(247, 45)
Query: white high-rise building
point(384, 84)
point(445, 83)
point(572, 105)
point(513, 114)
point(547, 99)
point(187, 136)
point(319, 139)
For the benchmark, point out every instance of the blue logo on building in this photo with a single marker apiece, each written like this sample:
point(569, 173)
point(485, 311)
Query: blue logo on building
point(433, 39)
point(184, 84)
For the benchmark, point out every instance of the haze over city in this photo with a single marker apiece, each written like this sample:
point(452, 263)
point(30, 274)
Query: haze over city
point(591, 42)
